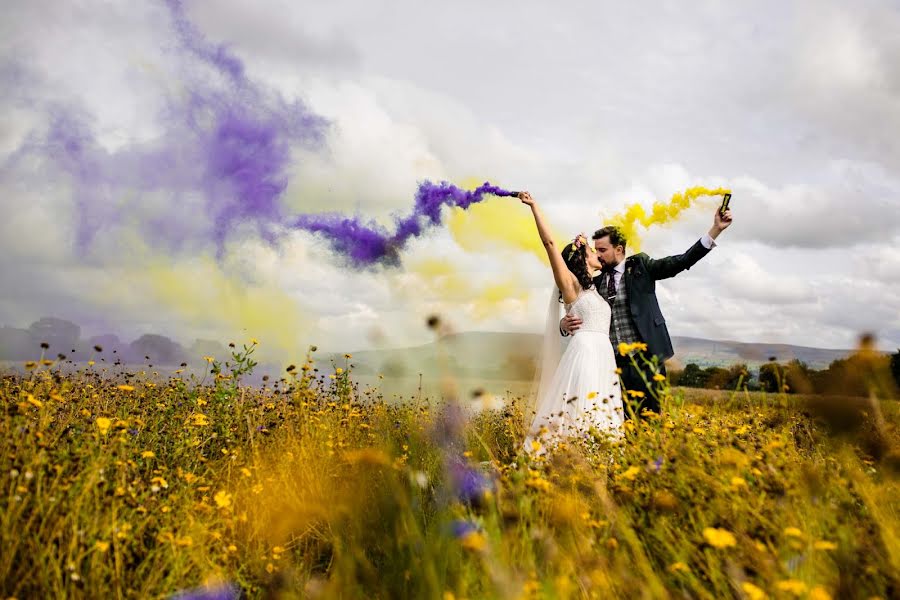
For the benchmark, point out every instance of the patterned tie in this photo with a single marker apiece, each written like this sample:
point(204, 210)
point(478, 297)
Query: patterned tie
point(611, 286)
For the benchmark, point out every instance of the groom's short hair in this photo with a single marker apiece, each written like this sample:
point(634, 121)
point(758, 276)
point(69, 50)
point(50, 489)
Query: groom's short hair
point(616, 236)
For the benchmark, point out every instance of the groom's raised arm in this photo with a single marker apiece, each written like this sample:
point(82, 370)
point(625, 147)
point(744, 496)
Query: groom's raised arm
point(670, 266)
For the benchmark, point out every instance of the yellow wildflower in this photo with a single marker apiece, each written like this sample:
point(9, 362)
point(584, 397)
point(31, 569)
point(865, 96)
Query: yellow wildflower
point(792, 586)
point(591, 395)
point(719, 538)
point(538, 483)
point(34, 401)
point(819, 593)
point(101, 546)
point(625, 349)
point(103, 424)
point(126, 388)
point(753, 592)
point(148, 454)
point(631, 473)
point(659, 377)
point(793, 532)
point(222, 499)
point(474, 540)
point(339, 370)
point(824, 545)
point(677, 567)
point(254, 342)
point(738, 483)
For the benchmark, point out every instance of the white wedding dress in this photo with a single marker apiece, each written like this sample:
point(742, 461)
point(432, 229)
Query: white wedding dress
point(583, 390)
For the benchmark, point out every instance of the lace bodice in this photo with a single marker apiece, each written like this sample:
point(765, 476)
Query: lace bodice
point(592, 310)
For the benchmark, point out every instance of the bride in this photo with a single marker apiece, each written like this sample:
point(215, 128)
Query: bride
point(579, 390)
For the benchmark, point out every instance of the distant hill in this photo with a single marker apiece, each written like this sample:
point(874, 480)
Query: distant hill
point(722, 352)
point(493, 355)
point(472, 355)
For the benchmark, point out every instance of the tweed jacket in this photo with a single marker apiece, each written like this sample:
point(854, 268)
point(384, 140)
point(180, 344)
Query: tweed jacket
point(641, 275)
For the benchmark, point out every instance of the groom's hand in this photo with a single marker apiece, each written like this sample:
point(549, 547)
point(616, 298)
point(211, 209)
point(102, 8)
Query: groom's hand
point(721, 222)
point(569, 324)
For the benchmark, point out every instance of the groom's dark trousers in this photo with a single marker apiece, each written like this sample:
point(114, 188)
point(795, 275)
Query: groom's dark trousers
point(637, 318)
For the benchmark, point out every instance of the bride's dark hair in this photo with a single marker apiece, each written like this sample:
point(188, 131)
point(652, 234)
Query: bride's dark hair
point(576, 260)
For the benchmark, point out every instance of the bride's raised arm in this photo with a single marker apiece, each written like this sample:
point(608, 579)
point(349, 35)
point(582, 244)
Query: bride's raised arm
point(565, 281)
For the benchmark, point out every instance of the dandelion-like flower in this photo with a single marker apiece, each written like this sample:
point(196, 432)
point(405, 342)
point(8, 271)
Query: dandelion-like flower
point(792, 586)
point(753, 592)
point(719, 538)
point(631, 473)
point(222, 499)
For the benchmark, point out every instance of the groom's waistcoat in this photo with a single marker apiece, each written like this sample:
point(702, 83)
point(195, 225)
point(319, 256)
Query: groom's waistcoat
point(643, 314)
point(621, 326)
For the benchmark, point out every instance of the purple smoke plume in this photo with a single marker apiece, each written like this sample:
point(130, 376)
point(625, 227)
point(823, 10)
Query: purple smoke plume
point(223, 150)
point(370, 243)
point(220, 160)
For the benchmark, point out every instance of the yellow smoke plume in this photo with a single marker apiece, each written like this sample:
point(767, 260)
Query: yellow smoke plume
point(445, 282)
point(201, 290)
point(661, 214)
point(200, 293)
point(496, 223)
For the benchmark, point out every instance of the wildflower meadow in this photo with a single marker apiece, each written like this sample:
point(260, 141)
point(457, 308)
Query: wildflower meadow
point(153, 485)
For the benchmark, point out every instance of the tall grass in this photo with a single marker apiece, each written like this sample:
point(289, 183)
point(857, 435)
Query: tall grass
point(134, 488)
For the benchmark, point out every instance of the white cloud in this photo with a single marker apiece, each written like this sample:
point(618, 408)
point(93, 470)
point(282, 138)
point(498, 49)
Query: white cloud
point(594, 107)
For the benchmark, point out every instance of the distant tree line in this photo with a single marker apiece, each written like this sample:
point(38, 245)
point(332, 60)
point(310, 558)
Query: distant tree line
point(860, 374)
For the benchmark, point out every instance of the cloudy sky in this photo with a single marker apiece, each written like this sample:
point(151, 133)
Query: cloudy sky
point(591, 106)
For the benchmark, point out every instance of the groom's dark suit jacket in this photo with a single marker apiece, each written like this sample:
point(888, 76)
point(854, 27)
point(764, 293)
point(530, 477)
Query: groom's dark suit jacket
point(640, 277)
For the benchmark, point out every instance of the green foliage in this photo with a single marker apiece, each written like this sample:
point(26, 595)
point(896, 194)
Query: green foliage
point(731, 378)
point(693, 376)
point(227, 377)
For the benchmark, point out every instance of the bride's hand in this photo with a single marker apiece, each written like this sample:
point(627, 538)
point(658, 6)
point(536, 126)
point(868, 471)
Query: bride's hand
point(526, 198)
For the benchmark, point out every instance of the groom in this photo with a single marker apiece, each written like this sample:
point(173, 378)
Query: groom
point(629, 285)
